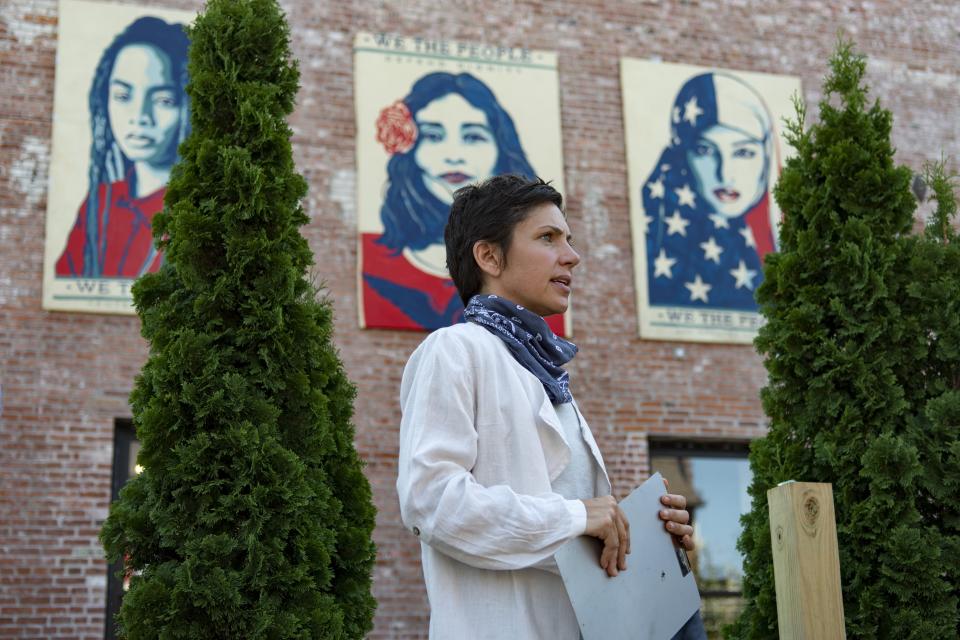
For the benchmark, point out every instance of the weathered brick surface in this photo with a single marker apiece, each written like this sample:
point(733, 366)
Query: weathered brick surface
point(65, 377)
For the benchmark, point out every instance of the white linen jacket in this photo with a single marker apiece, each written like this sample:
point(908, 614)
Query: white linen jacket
point(480, 443)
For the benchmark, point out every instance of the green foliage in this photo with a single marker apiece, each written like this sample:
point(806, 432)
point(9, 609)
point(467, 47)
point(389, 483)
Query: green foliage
point(862, 347)
point(252, 517)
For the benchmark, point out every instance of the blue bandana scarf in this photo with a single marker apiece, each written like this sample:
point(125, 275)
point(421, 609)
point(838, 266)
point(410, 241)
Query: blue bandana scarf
point(529, 339)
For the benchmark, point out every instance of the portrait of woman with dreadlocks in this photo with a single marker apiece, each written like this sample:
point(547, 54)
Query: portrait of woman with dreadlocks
point(139, 114)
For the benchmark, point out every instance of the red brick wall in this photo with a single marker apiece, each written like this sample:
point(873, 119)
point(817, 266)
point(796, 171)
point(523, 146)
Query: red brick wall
point(65, 377)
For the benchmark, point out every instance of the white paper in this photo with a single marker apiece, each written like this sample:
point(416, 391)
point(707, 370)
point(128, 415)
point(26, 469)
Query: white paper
point(653, 598)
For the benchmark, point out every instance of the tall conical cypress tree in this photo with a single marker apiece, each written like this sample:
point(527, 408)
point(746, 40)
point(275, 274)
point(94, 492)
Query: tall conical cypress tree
point(252, 517)
point(862, 347)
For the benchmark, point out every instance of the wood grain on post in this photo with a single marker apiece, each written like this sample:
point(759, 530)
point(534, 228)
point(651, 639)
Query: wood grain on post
point(806, 562)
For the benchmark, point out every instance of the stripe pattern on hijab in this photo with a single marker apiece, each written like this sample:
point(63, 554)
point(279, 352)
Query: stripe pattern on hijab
point(529, 339)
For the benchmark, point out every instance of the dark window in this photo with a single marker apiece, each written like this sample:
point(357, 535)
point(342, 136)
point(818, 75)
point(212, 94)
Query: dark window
point(125, 448)
point(714, 476)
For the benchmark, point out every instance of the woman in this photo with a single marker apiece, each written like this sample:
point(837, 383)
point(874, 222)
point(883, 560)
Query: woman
point(498, 467)
point(707, 202)
point(448, 132)
point(139, 115)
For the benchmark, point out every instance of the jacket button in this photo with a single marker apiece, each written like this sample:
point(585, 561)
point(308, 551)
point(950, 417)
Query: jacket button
point(416, 531)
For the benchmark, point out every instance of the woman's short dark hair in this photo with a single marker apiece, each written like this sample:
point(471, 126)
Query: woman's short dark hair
point(489, 211)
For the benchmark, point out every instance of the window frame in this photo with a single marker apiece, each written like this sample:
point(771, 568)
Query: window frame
point(124, 438)
point(672, 446)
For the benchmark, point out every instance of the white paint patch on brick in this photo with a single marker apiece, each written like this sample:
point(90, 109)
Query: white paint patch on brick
point(95, 456)
point(704, 364)
point(97, 582)
point(902, 73)
point(22, 21)
point(343, 191)
point(28, 173)
point(326, 49)
point(596, 220)
point(6, 288)
point(99, 514)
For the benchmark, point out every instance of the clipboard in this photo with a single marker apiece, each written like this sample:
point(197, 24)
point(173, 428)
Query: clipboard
point(656, 594)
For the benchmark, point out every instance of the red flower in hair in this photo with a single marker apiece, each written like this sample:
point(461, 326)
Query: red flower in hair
point(396, 130)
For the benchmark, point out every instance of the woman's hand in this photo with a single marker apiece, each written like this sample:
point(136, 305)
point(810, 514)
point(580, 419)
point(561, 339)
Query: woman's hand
point(676, 518)
point(605, 520)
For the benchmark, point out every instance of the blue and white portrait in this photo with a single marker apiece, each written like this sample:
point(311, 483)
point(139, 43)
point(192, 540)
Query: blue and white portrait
point(434, 116)
point(449, 131)
point(707, 200)
point(139, 115)
point(704, 153)
point(121, 111)
point(464, 135)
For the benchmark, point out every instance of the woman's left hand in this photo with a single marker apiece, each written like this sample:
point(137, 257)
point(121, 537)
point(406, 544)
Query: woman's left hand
point(676, 518)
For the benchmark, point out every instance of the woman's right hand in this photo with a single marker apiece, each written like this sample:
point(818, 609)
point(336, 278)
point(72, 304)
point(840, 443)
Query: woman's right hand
point(606, 521)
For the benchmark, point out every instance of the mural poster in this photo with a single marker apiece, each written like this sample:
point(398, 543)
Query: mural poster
point(704, 150)
point(120, 111)
point(434, 115)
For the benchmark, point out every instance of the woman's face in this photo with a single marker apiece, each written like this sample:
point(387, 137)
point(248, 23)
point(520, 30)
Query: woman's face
point(143, 105)
point(540, 261)
point(456, 145)
point(729, 167)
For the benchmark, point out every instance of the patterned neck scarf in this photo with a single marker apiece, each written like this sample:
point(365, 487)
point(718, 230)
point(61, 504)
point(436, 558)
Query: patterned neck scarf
point(529, 339)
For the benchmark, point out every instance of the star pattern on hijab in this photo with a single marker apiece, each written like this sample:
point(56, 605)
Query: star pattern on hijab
point(717, 268)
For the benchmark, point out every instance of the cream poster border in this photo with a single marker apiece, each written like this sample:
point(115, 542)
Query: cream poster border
point(86, 30)
point(395, 78)
point(702, 210)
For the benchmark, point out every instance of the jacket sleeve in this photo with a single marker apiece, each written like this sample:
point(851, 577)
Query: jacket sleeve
point(440, 500)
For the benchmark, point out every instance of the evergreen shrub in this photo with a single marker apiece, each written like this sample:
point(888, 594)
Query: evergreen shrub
point(862, 347)
point(252, 517)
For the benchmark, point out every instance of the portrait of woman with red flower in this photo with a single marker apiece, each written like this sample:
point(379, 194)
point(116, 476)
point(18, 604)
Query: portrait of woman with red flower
point(449, 131)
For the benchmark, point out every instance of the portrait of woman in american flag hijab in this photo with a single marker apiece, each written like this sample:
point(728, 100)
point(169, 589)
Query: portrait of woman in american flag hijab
point(707, 201)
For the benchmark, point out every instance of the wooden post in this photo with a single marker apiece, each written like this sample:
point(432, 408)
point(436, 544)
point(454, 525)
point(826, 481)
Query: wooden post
point(806, 563)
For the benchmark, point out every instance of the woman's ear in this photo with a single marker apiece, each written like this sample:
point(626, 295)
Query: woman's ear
point(488, 257)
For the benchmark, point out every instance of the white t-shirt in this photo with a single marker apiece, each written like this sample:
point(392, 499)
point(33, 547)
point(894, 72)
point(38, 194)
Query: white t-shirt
point(578, 481)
